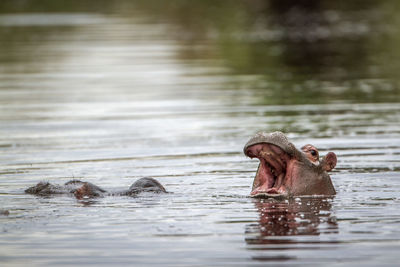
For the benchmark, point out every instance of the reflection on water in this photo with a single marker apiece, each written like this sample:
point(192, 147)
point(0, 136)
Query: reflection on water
point(117, 90)
point(279, 220)
point(300, 216)
point(303, 52)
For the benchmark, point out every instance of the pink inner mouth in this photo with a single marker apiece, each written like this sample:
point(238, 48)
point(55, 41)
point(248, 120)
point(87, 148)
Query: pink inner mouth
point(271, 173)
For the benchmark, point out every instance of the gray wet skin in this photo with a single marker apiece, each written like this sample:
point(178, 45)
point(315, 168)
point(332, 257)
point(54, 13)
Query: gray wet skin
point(284, 171)
point(87, 190)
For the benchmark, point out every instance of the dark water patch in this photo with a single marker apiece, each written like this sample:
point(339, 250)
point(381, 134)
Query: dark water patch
point(273, 258)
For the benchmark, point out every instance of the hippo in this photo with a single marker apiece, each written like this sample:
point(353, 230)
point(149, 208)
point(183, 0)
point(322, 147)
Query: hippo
point(285, 171)
point(83, 190)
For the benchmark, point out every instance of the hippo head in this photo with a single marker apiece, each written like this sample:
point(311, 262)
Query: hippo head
point(285, 171)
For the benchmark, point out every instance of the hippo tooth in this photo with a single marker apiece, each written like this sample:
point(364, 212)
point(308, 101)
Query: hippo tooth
point(279, 180)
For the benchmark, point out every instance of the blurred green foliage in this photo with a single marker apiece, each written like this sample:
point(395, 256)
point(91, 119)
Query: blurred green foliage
point(297, 51)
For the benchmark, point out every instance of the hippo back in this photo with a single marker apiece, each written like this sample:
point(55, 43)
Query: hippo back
point(147, 184)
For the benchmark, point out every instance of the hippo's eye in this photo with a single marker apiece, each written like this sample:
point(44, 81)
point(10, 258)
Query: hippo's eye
point(313, 152)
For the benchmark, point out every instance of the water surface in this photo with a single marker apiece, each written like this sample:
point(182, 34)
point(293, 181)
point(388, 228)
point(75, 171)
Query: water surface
point(122, 90)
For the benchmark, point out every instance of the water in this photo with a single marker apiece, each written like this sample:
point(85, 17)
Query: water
point(122, 90)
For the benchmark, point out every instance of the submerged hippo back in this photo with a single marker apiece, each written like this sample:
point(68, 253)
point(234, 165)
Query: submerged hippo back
point(147, 184)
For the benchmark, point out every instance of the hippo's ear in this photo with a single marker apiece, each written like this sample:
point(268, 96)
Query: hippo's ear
point(329, 162)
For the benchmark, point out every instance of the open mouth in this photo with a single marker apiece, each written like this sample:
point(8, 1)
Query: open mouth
point(271, 173)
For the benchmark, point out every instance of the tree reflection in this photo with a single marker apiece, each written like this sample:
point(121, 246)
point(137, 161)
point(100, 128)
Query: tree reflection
point(299, 51)
point(305, 216)
point(295, 52)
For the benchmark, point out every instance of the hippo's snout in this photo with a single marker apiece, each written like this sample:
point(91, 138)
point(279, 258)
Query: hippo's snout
point(276, 138)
